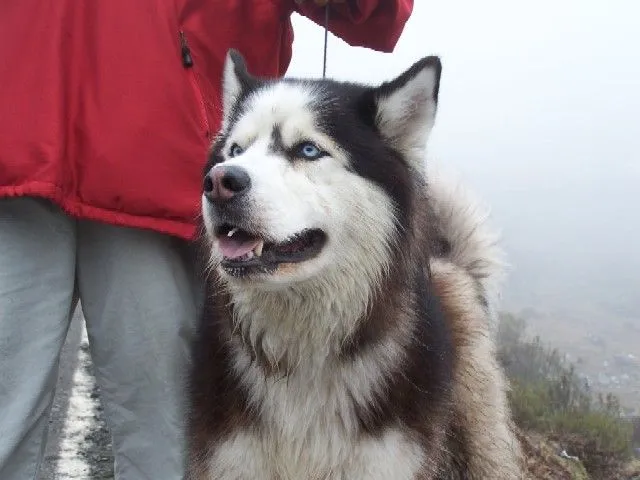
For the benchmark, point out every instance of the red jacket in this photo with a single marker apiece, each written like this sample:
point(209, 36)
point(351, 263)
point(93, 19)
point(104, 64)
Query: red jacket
point(100, 112)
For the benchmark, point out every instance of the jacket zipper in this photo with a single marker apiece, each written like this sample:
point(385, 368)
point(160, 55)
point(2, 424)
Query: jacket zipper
point(188, 64)
point(185, 51)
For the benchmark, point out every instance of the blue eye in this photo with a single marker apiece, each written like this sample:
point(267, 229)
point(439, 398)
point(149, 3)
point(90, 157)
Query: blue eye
point(235, 150)
point(309, 151)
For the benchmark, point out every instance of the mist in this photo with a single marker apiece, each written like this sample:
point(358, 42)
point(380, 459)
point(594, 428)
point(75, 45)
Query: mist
point(539, 114)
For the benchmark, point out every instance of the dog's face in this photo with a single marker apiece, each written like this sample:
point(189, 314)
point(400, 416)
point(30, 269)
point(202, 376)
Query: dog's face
point(307, 178)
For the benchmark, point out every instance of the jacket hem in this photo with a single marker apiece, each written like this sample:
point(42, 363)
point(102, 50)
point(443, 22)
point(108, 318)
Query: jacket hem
point(80, 210)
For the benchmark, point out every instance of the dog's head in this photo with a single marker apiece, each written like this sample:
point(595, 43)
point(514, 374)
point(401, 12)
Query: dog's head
point(308, 178)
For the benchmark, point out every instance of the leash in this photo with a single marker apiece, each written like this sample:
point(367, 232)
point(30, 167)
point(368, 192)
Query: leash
point(326, 38)
point(326, 34)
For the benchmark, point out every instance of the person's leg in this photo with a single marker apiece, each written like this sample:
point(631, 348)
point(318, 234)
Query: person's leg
point(138, 294)
point(37, 276)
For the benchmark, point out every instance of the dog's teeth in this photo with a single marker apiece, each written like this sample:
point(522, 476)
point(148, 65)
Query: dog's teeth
point(258, 250)
point(232, 232)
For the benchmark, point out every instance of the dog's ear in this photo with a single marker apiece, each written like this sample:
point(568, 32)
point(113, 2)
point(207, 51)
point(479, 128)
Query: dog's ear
point(405, 107)
point(236, 80)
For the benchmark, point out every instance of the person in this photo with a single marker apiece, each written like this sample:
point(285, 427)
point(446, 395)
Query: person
point(107, 110)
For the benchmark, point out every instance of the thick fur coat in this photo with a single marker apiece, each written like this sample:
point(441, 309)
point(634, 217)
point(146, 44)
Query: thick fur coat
point(349, 297)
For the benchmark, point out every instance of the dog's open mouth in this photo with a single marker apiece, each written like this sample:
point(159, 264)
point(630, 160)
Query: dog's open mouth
point(244, 252)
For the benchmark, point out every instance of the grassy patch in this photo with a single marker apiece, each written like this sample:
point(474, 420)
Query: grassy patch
point(547, 396)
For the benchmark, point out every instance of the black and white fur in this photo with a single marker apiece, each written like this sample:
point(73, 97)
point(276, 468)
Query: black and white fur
point(371, 359)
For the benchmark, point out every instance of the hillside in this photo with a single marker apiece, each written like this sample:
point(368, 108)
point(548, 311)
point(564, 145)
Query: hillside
point(547, 459)
point(605, 348)
point(568, 430)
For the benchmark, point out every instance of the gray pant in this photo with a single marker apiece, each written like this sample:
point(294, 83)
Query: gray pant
point(139, 297)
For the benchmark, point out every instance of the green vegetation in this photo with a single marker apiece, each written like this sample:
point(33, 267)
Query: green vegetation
point(548, 397)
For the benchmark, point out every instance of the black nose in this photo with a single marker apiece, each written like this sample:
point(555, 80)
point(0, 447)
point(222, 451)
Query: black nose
point(225, 182)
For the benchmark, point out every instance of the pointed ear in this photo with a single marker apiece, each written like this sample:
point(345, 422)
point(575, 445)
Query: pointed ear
point(235, 81)
point(405, 108)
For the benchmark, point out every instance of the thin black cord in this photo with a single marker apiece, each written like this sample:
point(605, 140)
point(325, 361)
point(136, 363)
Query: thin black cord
point(326, 38)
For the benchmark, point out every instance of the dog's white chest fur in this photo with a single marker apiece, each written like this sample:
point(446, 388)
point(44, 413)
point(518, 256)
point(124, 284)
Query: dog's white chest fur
point(310, 429)
point(330, 457)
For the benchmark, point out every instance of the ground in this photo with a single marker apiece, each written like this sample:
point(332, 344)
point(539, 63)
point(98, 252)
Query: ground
point(79, 445)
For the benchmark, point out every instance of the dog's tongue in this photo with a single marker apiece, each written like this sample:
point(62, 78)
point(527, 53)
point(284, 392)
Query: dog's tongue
point(237, 245)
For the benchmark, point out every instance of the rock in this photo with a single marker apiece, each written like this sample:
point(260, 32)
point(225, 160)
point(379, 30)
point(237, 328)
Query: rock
point(544, 463)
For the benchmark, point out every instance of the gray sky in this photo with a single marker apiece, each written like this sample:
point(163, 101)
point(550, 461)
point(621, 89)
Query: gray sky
point(539, 113)
point(524, 85)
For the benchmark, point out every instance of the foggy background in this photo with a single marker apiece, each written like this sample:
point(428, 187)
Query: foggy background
point(540, 115)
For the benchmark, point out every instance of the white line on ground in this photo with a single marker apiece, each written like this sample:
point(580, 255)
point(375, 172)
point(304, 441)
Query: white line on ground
point(80, 419)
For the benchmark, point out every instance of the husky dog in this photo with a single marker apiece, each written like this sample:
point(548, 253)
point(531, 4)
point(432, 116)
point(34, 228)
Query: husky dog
point(347, 329)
